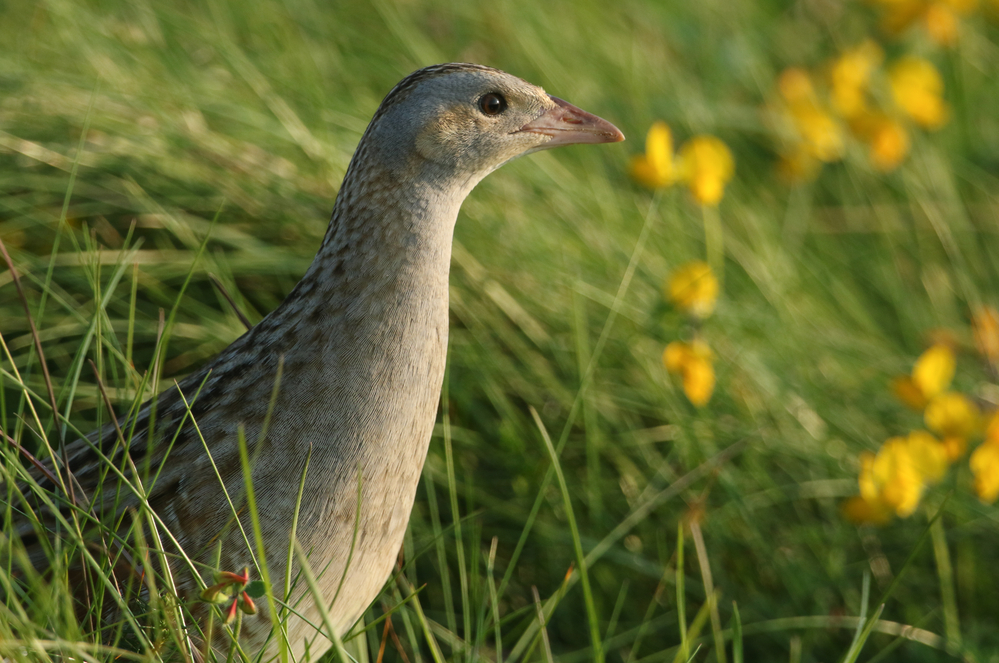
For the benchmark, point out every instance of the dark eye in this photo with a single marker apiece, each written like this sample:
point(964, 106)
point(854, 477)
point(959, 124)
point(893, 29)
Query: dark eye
point(492, 103)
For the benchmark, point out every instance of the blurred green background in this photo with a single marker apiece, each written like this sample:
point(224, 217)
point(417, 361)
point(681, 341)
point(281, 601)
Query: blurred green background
point(159, 114)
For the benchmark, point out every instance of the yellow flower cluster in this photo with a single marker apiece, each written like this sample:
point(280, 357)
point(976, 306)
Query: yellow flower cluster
point(931, 374)
point(817, 113)
point(939, 18)
point(816, 135)
point(893, 481)
point(692, 362)
point(951, 415)
point(693, 288)
point(703, 163)
point(917, 89)
point(984, 464)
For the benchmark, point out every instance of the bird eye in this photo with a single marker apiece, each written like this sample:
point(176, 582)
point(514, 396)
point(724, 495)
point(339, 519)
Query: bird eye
point(492, 103)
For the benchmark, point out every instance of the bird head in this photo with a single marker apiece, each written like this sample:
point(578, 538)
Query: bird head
point(464, 121)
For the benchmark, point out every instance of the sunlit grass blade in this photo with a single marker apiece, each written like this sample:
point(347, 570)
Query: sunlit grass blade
point(736, 634)
point(591, 610)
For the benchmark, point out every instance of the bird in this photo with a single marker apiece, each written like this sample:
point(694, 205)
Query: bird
point(336, 391)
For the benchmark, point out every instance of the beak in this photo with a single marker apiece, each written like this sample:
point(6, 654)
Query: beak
point(568, 125)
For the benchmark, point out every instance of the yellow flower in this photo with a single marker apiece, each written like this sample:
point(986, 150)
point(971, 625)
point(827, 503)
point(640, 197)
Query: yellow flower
point(821, 134)
point(992, 428)
point(917, 89)
point(888, 144)
point(818, 134)
point(692, 362)
point(795, 86)
point(955, 447)
point(675, 356)
point(939, 18)
point(654, 169)
point(895, 478)
point(693, 288)
point(985, 327)
point(929, 456)
point(706, 165)
point(941, 23)
point(931, 375)
point(952, 415)
point(892, 477)
point(984, 464)
point(850, 76)
point(934, 370)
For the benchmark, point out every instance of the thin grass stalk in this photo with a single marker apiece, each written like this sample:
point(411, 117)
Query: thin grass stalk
point(82, 651)
point(795, 649)
point(258, 536)
point(854, 651)
point(616, 611)
point(591, 608)
point(673, 490)
point(945, 576)
point(65, 483)
point(493, 601)
point(906, 634)
point(52, 257)
point(397, 643)
point(590, 426)
point(709, 588)
point(865, 592)
point(681, 592)
point(76, 367)
point(407, 623)
point(435, 650)
point(445, 571)
point(541, 622)
point(339, 654)
point(293, 536)
point(605, 544)
point(736, 634)
point(232, 303)
point(636, 644)
point(481, 590)
point(529, 639)
point(386, 613)
point(714, 242)
point(64, 212)
point(133, 295)
point(693, 632)
point(166, 325)
point(584, 384)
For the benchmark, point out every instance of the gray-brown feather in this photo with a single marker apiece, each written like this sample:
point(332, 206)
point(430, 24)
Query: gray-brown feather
point(361, 342)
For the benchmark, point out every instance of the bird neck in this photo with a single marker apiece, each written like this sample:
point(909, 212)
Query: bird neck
point(390, 234)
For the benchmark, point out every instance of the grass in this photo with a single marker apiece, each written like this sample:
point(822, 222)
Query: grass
point(127, 129)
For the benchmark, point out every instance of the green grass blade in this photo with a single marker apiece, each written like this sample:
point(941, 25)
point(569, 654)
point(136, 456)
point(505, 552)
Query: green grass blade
point(591, 609)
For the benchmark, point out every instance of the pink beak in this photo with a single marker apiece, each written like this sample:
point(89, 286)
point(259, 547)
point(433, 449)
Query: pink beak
point(568, 125)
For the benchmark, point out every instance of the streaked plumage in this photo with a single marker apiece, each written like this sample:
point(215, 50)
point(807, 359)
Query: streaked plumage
point(361, 342)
